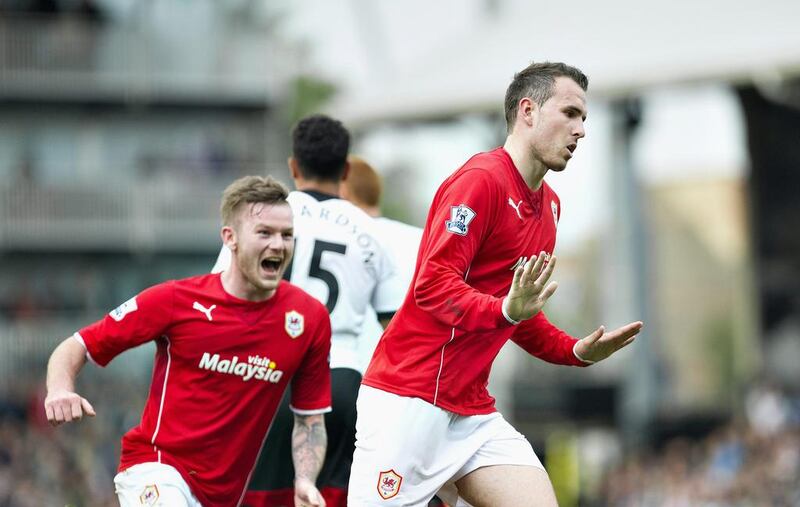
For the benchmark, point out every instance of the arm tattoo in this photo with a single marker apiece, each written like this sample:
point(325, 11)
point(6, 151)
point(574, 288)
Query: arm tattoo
point(309, 441)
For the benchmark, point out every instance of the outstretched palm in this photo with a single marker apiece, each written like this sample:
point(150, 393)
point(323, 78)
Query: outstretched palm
point(601, 344)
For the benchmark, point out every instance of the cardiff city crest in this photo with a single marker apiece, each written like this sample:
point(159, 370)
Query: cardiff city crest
point(389, 484)
point(295, 323)
point(149, 495)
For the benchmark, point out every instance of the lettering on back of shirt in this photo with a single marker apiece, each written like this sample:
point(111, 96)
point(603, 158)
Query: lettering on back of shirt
point(364, 240)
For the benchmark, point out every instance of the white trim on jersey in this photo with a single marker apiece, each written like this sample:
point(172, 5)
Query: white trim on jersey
point(311, 412)
point(163, 396)
point(441, 365)
point(441, 360)
point(77, 336)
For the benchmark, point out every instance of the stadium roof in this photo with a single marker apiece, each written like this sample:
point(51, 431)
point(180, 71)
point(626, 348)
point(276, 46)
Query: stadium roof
point(624, 46)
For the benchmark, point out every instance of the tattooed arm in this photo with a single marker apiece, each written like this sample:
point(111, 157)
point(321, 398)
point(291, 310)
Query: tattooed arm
point(309, 441)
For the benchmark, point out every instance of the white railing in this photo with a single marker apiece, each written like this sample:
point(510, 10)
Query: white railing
point(172, 216)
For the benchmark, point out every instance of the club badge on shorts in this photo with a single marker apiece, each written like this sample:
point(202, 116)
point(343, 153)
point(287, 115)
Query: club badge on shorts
point(149, 495)
point(460, 217)
point(389, 484)
point(294, 324)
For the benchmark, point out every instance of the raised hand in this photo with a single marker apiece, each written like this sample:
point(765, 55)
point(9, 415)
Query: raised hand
point(64, 406)
point(601, 344)
point(529, 289)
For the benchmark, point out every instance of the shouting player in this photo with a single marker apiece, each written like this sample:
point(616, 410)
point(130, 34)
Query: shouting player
point(227, 347)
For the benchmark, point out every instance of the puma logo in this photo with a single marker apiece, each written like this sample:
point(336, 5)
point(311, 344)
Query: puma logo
point(206, 311)
point(515, 206)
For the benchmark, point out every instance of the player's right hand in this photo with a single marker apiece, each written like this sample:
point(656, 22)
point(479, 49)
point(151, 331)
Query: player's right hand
point(529, 289)
point(306, 494)
point(63, 406)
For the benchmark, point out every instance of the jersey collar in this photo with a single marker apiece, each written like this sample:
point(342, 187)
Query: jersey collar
point(320, 196)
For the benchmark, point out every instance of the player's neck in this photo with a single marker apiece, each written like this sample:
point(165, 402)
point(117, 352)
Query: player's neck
point(325, 187)
point(530, 168)
point(235, 284)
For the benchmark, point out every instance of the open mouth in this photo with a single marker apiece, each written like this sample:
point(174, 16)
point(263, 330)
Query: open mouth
point(270, 264)
point(572, 148)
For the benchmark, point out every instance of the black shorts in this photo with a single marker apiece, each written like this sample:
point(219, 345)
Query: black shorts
point(273, 478)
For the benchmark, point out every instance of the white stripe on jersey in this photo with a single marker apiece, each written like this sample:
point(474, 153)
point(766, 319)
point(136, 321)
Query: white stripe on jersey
point(163, 395)
point(441, 360)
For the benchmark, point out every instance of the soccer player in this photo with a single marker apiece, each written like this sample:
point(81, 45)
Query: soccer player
point(339, 261)
point(227, 347)
point(426, 422)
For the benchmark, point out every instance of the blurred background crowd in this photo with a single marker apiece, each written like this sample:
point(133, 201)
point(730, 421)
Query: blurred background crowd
point(121, 122)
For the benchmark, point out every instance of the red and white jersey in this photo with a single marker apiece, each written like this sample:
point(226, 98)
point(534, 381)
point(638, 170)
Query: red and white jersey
point(484, 221)
point(340, 260)
point(221, 367)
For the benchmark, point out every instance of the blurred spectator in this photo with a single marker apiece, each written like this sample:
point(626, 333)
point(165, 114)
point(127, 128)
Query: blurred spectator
point(73, 466)
point(748, 463)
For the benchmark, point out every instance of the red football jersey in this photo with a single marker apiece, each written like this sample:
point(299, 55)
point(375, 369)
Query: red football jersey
point(221, 367)
point(440, 345)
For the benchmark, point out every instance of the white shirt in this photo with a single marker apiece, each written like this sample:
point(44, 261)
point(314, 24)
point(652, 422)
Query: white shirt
point(339, 260)
point(402, 240)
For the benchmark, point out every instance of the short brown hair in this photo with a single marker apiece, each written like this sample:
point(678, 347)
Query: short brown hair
point(251, 189)
point(363, 183)
point(537, 82)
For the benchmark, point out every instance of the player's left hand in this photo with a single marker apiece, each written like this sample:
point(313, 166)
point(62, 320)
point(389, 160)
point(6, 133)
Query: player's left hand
point(601, 344)
point(306, 494)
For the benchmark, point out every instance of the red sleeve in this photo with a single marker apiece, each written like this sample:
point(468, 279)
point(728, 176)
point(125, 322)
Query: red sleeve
point(449, 249)
point(142, 318)
point(542, 339)
point(311, 384)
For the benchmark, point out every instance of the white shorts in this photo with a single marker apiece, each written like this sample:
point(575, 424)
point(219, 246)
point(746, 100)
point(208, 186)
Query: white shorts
point(408, 450)
point(153, 484)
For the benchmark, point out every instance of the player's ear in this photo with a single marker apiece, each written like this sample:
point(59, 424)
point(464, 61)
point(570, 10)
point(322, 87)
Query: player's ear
point(527, 110)
point(346, 171)
point(228, 234)
point(294, 168)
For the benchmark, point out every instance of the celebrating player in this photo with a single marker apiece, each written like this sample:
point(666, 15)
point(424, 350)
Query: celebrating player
point(227, 347)
point(426, 422)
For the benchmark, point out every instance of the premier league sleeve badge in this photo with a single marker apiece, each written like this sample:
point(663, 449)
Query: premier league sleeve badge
point(460, 217)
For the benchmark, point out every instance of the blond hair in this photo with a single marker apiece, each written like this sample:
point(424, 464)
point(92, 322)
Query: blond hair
point(248, 190)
